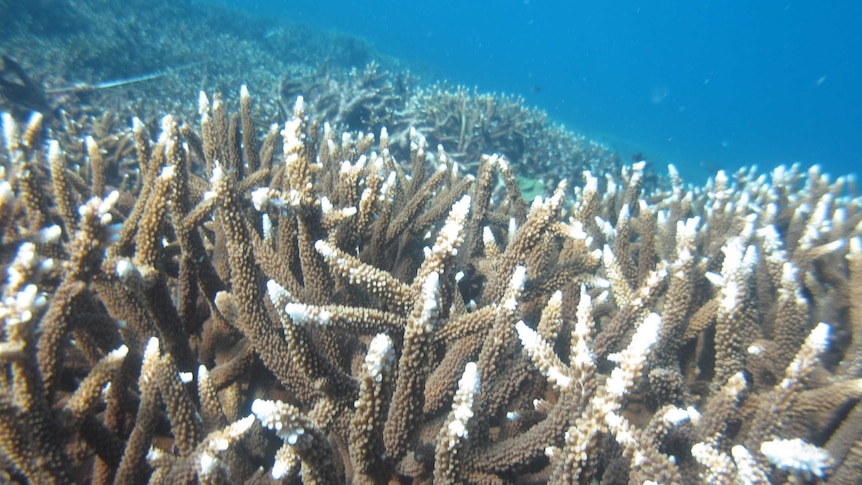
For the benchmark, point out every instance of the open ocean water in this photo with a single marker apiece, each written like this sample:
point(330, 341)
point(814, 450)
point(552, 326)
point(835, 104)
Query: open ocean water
point(701, 84)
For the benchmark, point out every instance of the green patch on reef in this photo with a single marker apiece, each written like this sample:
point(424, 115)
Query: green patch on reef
point(531, 187)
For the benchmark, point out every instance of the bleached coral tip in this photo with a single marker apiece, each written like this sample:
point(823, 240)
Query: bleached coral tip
point(53, 148)
point(50, 234)
point(526, 334)
point(280, 469)
point(324, 248)
point(298, 313)
point(208, 463)
point(242, 425)
point(6, 193)
point(263, 409)
point(152, 347)
point(470, 372)
point(820, 335)
point(120, 352)
point(260, 198)
point(10, 129)
point(125, 269)
point(167, 172)
point(380, 344)
point(796, 454)
point(676, 416)
point(109, 201)
point(276, 292)
point(519, 276)
point(650, 328)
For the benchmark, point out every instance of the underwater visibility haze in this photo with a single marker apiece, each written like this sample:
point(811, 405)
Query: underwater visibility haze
point(716, 83)
point(377, 242)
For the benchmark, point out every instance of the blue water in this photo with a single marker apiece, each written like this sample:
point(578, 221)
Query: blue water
point(702, 84)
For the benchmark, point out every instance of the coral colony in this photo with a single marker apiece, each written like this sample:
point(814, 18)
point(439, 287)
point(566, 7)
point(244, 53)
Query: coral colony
point(325, 312)
point(397, 283)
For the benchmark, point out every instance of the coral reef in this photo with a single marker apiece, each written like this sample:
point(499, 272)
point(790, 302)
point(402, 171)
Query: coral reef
point(465, 122)
point(73, 48)
point(144, 58)
point(304, 304)
point(469, 123)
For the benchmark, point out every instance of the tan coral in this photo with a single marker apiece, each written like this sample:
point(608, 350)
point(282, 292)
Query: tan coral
point(607, 311)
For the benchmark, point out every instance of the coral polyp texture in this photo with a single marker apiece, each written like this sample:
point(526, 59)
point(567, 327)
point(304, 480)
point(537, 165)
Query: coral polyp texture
point(220, 304)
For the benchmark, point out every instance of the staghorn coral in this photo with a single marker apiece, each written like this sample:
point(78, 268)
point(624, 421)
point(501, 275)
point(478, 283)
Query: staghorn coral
point(464, 121)
point(469, 123)
point(336, 313)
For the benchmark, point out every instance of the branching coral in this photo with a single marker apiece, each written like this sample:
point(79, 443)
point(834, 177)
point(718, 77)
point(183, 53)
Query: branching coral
point(465, 122)
point(336, 313)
